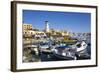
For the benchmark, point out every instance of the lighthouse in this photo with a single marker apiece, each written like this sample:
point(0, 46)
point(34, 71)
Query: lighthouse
point(46, 26)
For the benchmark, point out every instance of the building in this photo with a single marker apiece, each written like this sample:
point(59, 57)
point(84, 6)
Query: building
point(27, 26)
point(47, 26)
point(30, 32)
point(35, 33)
point(26, 30)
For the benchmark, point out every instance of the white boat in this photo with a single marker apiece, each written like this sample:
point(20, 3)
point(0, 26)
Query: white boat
point(81, 52)
point(66, 52)
point(62, 52)
point(45, 48)
point(82, 46)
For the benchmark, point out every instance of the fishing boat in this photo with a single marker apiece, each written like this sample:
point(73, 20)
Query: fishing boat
point(71, 53)
point(62, 52)
point(81, 51)
point(45, 48)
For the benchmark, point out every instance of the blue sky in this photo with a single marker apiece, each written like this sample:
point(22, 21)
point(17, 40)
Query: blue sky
point(71, 21)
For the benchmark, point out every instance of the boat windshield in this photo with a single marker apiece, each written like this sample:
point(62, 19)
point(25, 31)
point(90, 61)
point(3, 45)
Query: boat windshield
point(78, 45)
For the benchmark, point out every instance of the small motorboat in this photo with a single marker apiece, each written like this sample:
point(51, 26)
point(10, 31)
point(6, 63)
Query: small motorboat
point(77, 51)
point(80, 47)
point(81, 51)
point(45, 48)
point(62, 52)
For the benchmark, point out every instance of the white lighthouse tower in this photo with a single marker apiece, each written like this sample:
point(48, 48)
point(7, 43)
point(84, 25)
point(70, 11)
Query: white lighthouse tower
point(47, 26)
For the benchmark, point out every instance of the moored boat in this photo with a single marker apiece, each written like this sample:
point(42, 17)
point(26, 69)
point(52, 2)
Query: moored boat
point(45, 48)
point(71, 53)
point(62, 52)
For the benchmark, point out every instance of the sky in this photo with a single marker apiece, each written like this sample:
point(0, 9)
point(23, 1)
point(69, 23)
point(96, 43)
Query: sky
point(69, 21)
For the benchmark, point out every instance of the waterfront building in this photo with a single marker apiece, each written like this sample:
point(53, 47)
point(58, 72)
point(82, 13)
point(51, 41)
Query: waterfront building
point(26, 31)
point(27, 26)
point(37, 33)
point(59, 32)
point(30, 32)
